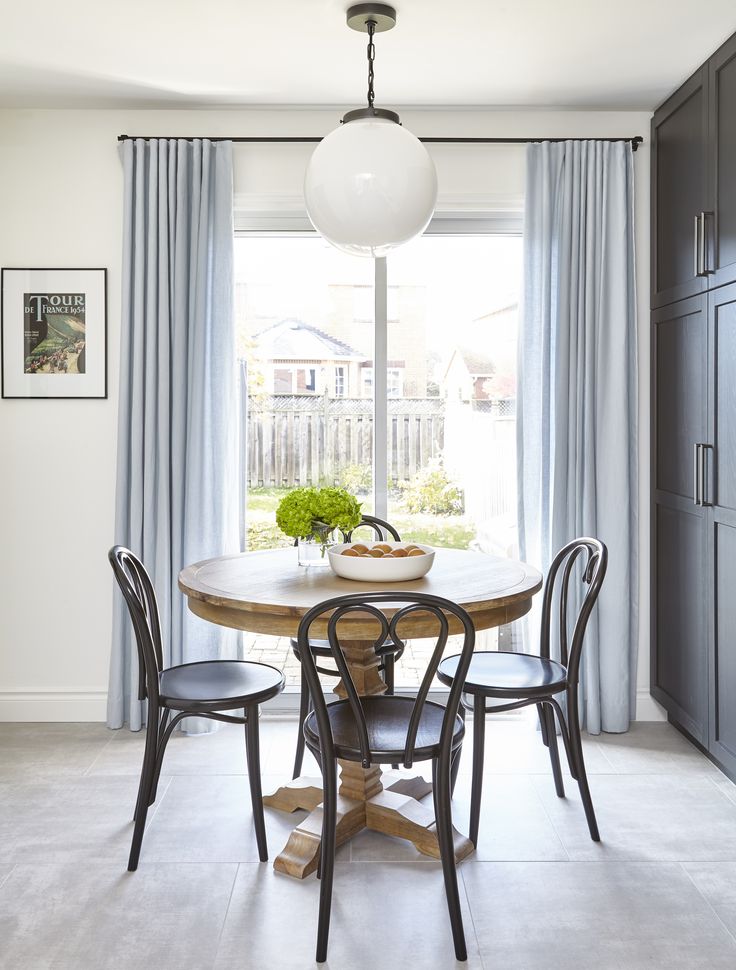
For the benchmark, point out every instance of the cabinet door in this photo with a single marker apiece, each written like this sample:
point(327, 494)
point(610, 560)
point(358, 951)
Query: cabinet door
point(720, 489)
point(679, 673)
point(721, 221)
point(679, 190)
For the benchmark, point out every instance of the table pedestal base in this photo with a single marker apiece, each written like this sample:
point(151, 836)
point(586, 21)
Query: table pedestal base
point(368, 799)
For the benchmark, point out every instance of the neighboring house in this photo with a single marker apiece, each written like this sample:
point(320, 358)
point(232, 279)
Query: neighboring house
point(473, 375)
point(297, 358)
point(467, 376)
point(351, 319)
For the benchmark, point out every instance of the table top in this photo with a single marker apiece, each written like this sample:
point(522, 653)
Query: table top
point(267, 592)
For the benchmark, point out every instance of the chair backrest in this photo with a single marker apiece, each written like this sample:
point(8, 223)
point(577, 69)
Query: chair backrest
point(593, 573)
point(140, 597)
point(381, 528)
point(401, 605)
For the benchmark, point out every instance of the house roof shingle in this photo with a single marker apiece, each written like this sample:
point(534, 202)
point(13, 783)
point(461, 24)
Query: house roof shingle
point(295, 340)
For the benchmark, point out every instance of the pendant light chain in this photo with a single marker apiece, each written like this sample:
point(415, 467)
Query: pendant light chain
point(371, 25)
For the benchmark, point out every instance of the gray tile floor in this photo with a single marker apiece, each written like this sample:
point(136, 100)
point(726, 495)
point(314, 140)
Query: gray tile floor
point(658, 891)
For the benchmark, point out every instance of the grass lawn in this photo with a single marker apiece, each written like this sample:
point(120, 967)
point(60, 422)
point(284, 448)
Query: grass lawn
point(450, 531)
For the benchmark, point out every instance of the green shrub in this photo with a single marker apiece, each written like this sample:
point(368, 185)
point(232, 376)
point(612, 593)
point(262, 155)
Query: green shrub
point(431, 491)
point(357, 479)
point(266, 535)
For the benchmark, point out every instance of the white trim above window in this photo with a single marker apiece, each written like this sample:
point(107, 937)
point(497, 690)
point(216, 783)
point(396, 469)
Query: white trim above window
point(462, 215)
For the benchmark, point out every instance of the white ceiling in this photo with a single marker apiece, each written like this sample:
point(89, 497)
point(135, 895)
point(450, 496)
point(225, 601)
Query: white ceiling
point(609, 54)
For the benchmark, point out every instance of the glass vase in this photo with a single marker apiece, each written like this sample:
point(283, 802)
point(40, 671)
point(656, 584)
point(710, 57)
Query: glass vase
point(312, 549)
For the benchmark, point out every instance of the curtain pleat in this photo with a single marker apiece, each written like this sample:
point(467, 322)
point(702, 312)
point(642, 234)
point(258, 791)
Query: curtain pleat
point(177, 487)
point(577, 402)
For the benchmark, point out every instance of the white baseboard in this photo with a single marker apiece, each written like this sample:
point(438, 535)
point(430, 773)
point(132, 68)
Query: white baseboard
point(647, 709)
point(53, 705)
point(91, 705)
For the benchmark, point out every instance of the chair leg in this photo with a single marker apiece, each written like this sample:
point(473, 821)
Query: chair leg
point(327, 857)
point(565, 734)
point(548, 719)
point(163, 740)
point(320, 761)
point(455, 767)
point(303, 711)
point(543, 724)
point(479, 742)
point(447, 853)
point(576, 748)
point(144, 788)
point(253, 757)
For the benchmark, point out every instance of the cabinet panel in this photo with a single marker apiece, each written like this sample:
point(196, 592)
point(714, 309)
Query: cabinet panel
point(723, 720)
point(723, 316)
point(680, 190)
point(681, 656)
point(722, 229)
point(680, 405)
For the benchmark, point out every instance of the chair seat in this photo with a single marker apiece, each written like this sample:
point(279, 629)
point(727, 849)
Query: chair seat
point(216, 685)
point(321, 648)
point(497, 673)
point(387, 722)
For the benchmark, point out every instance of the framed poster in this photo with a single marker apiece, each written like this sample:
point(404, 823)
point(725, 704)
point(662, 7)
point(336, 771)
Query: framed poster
point(54, 333)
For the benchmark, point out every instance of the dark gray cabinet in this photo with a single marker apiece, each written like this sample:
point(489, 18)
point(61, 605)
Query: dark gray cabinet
point(693, 174)
point(679, 532)
point(693, 563)
point(719, 494)
point(679, 191)
point(721, 204)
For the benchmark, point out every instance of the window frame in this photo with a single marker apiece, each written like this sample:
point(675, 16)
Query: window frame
point(469, 222)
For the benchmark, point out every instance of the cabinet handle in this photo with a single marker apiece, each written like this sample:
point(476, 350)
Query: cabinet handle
point(701, 254)
point(704, 245)
point(704, 474)
point(696, 247)
point(697, 497)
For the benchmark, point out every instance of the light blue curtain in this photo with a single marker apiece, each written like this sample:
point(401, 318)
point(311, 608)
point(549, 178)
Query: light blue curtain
point(577, 401)
point(176, 499)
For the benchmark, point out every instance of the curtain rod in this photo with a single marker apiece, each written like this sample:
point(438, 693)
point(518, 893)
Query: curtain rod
point(635, 141)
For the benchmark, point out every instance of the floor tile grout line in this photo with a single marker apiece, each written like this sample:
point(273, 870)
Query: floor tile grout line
point(551, 822)
point(156, 805)
point(227, 912)
point(99, 754)
point(723, 789)
point(472, 919)
point(708, 903)
point(8, 874)
point(608, 761)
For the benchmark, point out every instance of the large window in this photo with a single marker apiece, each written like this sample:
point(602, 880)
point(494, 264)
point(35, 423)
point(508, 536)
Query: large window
point(395, 379)
point(446, 431)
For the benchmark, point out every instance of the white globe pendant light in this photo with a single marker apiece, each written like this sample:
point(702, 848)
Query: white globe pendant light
point(370, 185)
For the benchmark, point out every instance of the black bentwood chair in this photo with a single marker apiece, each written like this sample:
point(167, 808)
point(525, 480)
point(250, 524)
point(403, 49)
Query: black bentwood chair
point(388, 652)
point(191, 690)
point(513, 680)
point(386, 729)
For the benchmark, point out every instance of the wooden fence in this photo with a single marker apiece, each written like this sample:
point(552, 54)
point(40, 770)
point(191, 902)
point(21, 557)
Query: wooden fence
point(308, 440)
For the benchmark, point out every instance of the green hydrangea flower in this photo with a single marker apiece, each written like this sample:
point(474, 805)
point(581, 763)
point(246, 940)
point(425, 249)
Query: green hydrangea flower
point(304, 510)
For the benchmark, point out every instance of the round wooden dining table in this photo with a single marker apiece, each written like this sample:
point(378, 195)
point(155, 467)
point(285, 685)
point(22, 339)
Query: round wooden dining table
point(267, 592)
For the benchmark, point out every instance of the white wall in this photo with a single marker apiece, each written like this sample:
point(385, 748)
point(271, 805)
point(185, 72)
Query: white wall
point(61, 205)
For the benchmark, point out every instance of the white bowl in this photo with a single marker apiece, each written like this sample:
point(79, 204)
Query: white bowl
point(380, 570)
